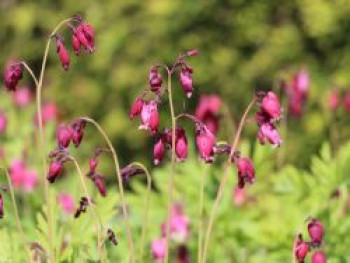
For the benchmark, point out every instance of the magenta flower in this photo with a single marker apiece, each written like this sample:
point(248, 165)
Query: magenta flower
point(186, 80)
point(181, 147)
point(49, 112)
point(246, 171)
point(3, 122)
point(301, 250)
point(66, 202)
point(30, 180)
point(239, 196)
point(55, 170)
point(315, 229)
point(205, 141)
point(271, 105)
point(334, 100)
point(150, 117)
point(93, 162)
point(76, 44)
point(99, 182)
point(192, 52)
point(136, 108)
point(318, 257)
point(84, 35)
point(347, 101)
point(268, 132)
point(207, 111)
point(155, 79)
point(1, 207)
point(63, 135)
point(158, 152)
point(12, 75)
point(22, 97)
point(158, 249)
point(62, 53)
point(77, 132)
point(179, 225)
point(17, 170)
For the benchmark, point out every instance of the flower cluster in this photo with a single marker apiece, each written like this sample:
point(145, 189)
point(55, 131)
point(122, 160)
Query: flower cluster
point(302, 248)
point(22, 176)
point(179, 233)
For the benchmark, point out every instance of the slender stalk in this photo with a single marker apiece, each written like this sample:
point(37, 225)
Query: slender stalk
point(98, 224)
point(42, 147)
point(120, 185)
point(224, 179)
point(201, 207)
point(172, 165)
point(145, 225)
point(30, 71)
point(18, 220)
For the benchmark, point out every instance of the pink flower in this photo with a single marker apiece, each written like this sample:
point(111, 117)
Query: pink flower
point(205, 141)
point(77, 132)
point(239, 196)
point(318, 257)
point(62, 53)
point(246, 171)
point(158, 152)
point(3, 122)
point(179, 225)
point(30, 180)
point(67, 203)
point(150, 117)
point(268, 132)
point(271, 105)
point(99, 182)
point(181, 147)
point(55, 170)
point(155, 79)
point(84, 35)
point(17, 172)
point(64, 135)
point(315, 229)
point(158, 249)
point(186, 80)
point(298, 92)
point(12, 75)
point(93, 162)
point(49, 112)
point(207, 111)
point(301, 250)
point(334, 100)
point(347, 101)
point(136, 108)
point(22, 97)
point(192, 52)
point(76, 44)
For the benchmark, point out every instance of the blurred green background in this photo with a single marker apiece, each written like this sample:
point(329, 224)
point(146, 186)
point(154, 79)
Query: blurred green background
point(245, 46)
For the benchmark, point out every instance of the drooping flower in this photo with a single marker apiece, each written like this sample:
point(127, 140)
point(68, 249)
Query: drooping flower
point(207, 111)
point(301, 250)
point(271, 105)
point(155, 79)
point(99, 182)
point(67, 203)
point(150, 117)
point(62, 53)
point(76, 44)
point(239, 196)
point(246, 171)
point(93, 162)
point(158, 151)
point(22, 97)
point(63, 135)
point(3, 122)
point(129, 171)
point(158, 249)
point(55, 170)
point(334, 100)
point(205, 141)
point(136, 108)
point(186, 80)
point(181, 147)
point(298, 92)
point(78, 132)
point(268, 132)
point(84, 35)
point(315, 229)
point(318, 257)
point(12, 75)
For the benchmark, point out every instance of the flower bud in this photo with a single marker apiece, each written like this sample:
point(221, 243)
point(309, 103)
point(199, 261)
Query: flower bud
point(207, 111)
point(78, 132)
point(150, 117)
point(1, 207)
point(268, 132)
point(93, 162)
point(271, 105)
point(12, 75)
point(55, 170)
point(192, 52)
point(181, 147)
point(62, 53)
point(99, 182)
point(301, 250)
point(86, 36)
point(158, 152)
point(76, 44)
point(318, 257)
point(136, 108)
point(155, 79)
point(186, 80)
point(63, 135)
point(315, 229)
point(246, 171)
point(205, 141)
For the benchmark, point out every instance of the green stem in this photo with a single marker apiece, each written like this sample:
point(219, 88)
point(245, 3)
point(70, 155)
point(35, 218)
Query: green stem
point(201, 207)
point(98, 224)
point(30, 71)
point(42, 147)
point(172, 166)
point(224, 179)
point(120, 184)
point(145, 224)
point(18, 220)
